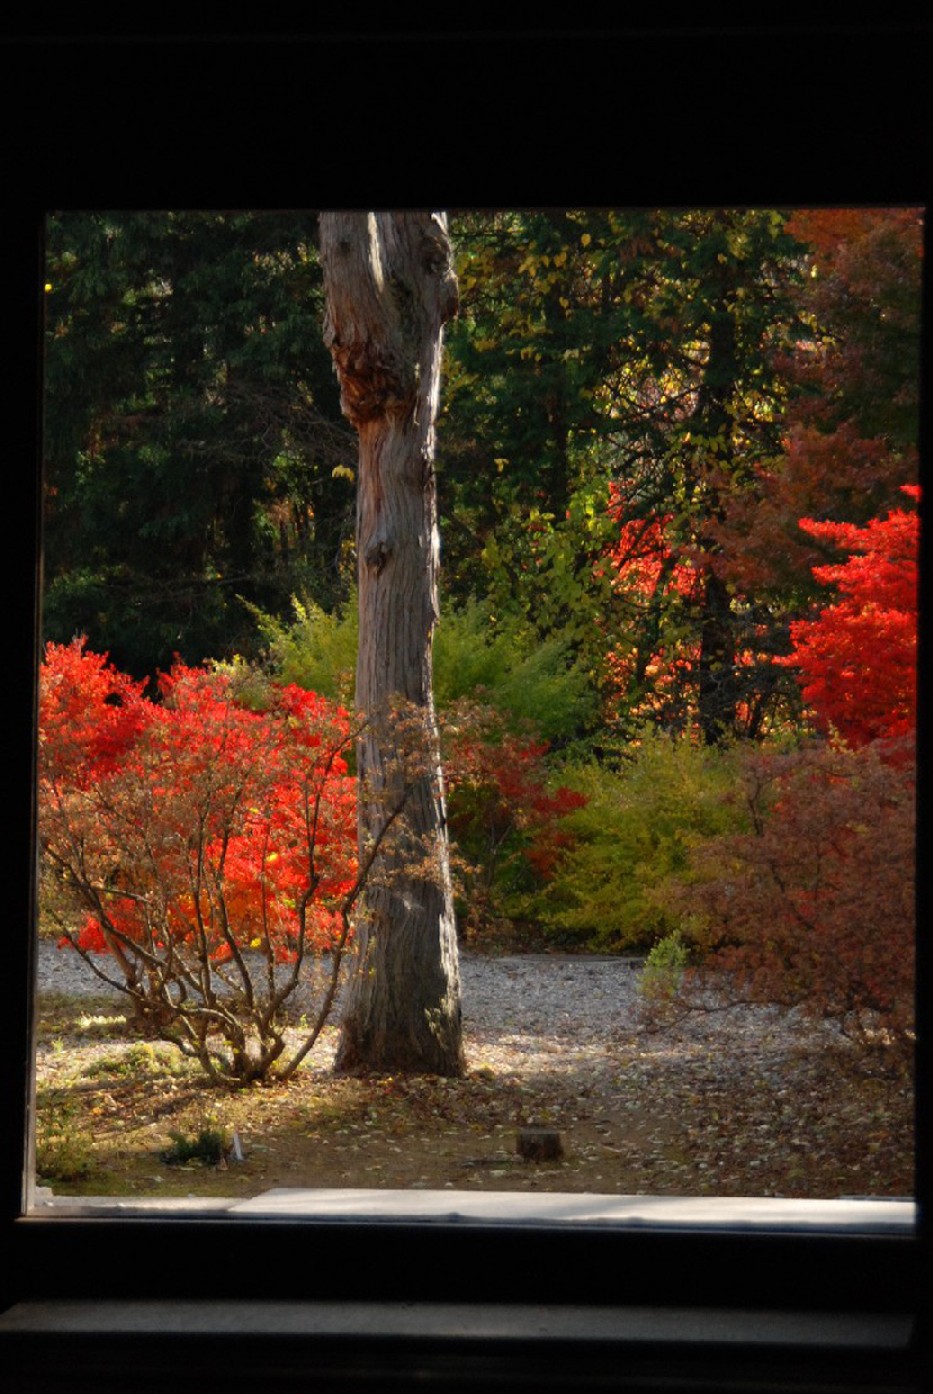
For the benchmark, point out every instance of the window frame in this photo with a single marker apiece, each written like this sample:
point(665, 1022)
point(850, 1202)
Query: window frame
point(211, 1258)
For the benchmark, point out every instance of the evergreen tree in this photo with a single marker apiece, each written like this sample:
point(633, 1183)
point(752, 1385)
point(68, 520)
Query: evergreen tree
point(194, 454)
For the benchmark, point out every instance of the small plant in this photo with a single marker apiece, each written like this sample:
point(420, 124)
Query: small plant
point(208, 1147)
point(64, 1150)
point(102, 1024)
point(664, 969)
point(140, 1060)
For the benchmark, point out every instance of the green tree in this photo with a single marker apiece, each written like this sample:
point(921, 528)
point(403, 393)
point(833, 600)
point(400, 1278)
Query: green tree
point(194, 450)
point(698, 409)
point(616, 368)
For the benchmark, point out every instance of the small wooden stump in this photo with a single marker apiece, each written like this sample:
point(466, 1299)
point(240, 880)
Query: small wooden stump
point(539, 1144)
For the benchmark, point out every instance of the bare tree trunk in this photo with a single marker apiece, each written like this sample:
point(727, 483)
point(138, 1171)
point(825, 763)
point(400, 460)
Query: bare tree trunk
point(390, 287)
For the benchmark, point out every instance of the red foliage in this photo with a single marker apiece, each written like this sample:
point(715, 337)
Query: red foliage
point(814, 908)
point(858, 657)
point(89, 713)
point(506, 819)
point(664, 586)
point(645, 561)
point(864, 294)
point(194, 824)
point(850, 422)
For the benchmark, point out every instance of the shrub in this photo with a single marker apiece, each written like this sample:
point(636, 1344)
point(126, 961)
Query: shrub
point(64, 1146)
point(813, 906)
point(317, 651)
point(208, 1147)
point(532, 683)
point(635, 830)
point(664, 969)
point(212, 848)
point(506, 817)
point(858, 657)
point(499, 663)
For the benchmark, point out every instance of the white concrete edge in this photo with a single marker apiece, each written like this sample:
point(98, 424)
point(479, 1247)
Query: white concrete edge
point(862, 1215)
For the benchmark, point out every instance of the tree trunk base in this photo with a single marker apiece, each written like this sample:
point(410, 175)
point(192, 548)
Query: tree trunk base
point(360, 1054)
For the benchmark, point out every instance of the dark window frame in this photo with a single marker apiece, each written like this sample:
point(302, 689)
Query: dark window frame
point(875, 153)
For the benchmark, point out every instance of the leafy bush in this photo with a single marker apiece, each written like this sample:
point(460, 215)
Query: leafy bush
point(506, 817)
point(500, 663)
point(875, 614)
point(208, 1147)
point(212, 848)
point(813, 905)
point(633, 832)
point(503, 664)
point(317, 651)
point(664, 969)
point(64, 1146)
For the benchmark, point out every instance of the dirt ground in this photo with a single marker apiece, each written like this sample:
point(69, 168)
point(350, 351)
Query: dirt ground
point(733, 1111)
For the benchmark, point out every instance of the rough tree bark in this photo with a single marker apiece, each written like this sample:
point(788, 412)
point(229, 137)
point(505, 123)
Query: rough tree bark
point(390, 287)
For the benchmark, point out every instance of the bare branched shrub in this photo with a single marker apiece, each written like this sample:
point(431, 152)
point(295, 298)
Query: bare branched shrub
point(212, 852)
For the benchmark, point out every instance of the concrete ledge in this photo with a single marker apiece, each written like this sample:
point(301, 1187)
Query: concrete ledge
point(862, 1215)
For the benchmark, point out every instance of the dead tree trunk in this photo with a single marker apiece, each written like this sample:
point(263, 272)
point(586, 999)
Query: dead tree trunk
point(390, 287)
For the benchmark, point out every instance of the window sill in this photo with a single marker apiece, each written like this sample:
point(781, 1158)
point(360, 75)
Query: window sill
point(862, 1215)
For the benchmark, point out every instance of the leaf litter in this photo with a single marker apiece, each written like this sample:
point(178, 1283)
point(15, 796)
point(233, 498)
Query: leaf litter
point(748, 1102)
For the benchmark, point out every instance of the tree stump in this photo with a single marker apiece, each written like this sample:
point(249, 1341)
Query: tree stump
point(539, 1144)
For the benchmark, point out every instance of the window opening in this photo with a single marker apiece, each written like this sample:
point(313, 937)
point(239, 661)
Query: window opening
point(674, 674)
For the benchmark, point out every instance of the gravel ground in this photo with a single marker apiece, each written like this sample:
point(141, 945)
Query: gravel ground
point(533, 1008)
point(745, 1102)
point(568, 996)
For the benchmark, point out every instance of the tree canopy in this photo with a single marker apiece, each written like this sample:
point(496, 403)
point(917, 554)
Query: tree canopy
point(676, 466)
point(196, 462)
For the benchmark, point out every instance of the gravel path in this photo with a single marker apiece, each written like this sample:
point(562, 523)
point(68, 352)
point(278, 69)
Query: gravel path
point(528, 995)
point(538, 1005)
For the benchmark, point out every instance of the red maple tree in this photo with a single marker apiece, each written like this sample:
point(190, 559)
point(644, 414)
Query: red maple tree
point(211, 848)
point(858, 657)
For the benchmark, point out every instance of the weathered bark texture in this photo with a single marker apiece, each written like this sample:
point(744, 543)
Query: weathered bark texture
point(390, 288)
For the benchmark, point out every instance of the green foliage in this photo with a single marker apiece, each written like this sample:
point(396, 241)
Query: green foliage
point(664, 969)
point(208, 1147)
point(316, 650)
point(141, 1059)
point(634, 832)
point(499, 661)
point(632, 356)
point(195, 452)
point(503, 663)
point(64, 1147)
